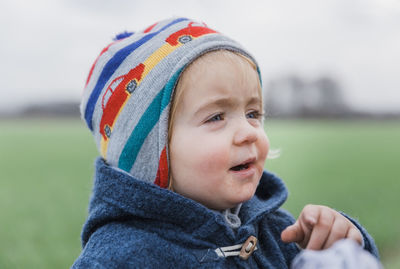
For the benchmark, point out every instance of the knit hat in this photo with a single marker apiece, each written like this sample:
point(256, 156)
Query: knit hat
point(128, 92)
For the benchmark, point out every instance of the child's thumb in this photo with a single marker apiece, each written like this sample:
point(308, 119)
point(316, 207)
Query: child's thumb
point(292, 233)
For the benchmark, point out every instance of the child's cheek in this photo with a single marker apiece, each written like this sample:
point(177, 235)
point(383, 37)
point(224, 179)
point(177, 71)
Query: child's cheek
point(263, 145)
point(213, 159)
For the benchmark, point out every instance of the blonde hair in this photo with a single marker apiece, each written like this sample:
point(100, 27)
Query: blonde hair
point(203, 61)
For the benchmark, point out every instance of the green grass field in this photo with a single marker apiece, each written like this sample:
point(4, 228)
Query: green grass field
point(47, 167)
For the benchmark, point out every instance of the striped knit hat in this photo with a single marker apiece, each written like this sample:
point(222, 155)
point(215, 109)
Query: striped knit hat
point(128, 92)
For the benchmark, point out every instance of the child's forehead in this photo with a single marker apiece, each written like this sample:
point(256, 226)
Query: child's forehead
point(215, 61)
point(223, 57)
point(214, 76)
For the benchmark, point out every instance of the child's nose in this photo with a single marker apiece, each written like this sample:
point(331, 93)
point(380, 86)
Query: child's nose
point(245, 134)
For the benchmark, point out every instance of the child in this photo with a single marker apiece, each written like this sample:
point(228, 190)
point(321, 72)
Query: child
point(176, 112)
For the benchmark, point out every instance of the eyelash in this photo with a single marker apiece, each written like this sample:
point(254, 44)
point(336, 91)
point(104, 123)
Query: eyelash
point(214, 118)
point(257, 114)
point(220, 116)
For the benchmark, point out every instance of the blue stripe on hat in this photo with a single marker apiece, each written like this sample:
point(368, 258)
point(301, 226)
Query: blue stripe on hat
point(146, 123)
point(110, 68)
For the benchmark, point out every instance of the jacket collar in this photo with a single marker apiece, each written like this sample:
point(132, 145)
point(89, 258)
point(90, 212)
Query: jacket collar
point(116, 194)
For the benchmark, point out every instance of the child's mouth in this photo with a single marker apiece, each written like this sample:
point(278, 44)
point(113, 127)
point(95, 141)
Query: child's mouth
point(240, 167)
point(247, 165)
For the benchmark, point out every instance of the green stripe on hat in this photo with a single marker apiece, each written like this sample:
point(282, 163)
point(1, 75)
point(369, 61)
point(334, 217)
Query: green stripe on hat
point(146, 123)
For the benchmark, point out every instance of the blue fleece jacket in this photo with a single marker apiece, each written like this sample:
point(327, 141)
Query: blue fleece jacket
point(133, 224)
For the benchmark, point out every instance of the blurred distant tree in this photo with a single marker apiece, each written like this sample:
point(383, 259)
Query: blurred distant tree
point(294, 96)
point(331, 98)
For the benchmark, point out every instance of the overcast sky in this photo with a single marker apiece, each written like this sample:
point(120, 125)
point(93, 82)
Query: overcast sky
point(48, 46)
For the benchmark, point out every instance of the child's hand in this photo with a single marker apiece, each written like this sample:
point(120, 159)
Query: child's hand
point(318, 227)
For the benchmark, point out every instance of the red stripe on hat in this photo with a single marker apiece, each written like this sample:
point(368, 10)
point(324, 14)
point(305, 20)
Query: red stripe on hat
point(95, 62)
point(162, 172)
point(148, 29)
point(118, 97)
point(192, 31)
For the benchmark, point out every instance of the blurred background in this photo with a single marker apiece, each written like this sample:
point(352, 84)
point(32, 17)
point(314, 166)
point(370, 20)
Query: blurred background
point(332, 98)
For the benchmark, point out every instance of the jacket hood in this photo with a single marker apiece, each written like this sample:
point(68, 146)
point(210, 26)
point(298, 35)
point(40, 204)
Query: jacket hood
point(118, 196)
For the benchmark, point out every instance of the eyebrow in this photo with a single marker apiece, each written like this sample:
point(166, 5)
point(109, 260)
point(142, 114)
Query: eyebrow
point(225, 102)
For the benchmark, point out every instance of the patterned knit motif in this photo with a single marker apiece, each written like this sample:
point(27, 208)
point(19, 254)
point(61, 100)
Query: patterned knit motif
point(128, 92)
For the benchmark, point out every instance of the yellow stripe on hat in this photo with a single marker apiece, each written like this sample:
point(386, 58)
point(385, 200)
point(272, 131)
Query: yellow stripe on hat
point(149, 64)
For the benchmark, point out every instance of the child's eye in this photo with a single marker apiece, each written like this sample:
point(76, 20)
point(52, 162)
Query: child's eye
point(254, 115)
point(215, 118)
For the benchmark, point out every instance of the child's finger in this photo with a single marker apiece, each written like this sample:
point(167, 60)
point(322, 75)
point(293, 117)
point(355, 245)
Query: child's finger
point(292, 233)
point(338, 231)
point(309, 216)
point(355, 234)
point(304, 225)
point(321, 230)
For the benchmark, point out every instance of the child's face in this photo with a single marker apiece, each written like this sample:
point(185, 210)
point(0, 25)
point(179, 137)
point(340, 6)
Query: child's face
point(218, 145)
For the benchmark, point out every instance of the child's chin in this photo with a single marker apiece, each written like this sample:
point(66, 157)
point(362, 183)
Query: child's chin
point(241, 199)
point(245, 195)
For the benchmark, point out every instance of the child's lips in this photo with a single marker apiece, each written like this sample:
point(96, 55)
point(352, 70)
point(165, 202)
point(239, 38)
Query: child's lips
point(245, 168)
point(245, 172)
point(246, 162)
